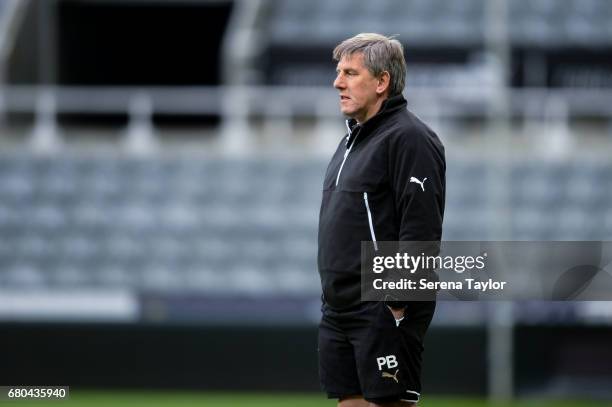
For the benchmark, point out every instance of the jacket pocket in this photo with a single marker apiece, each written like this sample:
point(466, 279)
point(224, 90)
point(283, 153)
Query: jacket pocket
point(370, 220)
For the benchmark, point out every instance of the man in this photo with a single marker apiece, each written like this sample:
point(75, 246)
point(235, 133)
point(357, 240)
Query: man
point(386, 182)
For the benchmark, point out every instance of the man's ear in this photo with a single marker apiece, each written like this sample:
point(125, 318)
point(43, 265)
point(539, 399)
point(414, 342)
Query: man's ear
point(383, 83)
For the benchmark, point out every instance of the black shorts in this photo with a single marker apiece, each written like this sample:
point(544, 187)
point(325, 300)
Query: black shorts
point(363, 352)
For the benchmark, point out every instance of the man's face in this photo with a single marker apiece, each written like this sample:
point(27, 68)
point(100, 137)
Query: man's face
point(357, 87)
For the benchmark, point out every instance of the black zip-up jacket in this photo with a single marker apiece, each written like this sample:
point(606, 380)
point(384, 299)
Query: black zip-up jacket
point(374, 190)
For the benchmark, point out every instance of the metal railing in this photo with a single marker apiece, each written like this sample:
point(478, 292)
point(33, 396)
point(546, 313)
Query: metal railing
point(238, 103)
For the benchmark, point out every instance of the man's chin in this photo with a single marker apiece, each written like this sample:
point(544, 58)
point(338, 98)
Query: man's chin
point(347, 112)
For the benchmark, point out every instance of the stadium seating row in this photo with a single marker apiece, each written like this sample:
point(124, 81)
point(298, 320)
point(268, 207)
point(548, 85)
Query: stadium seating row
point(429, 22)
point(195, 224)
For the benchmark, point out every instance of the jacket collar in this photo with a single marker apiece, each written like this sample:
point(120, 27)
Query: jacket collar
point(388, 106)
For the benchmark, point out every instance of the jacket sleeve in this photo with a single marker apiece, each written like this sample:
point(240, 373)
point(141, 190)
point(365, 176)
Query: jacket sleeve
point(417, 170)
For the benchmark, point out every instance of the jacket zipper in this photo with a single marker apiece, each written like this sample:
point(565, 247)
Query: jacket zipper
point(346, 153)
point(367, 205)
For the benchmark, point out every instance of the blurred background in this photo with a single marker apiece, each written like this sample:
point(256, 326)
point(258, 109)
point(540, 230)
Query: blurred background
point(161, 166)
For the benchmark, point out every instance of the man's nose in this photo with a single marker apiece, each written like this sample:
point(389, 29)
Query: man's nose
point(339, 82)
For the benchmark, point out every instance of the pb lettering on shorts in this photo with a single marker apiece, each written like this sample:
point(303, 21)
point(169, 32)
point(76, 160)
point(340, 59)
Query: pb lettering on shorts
point(389, 361)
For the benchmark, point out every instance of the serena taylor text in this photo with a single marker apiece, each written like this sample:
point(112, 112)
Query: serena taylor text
point(424, 284)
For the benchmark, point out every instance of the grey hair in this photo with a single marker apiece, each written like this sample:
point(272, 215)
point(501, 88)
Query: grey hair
point(380, 53)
